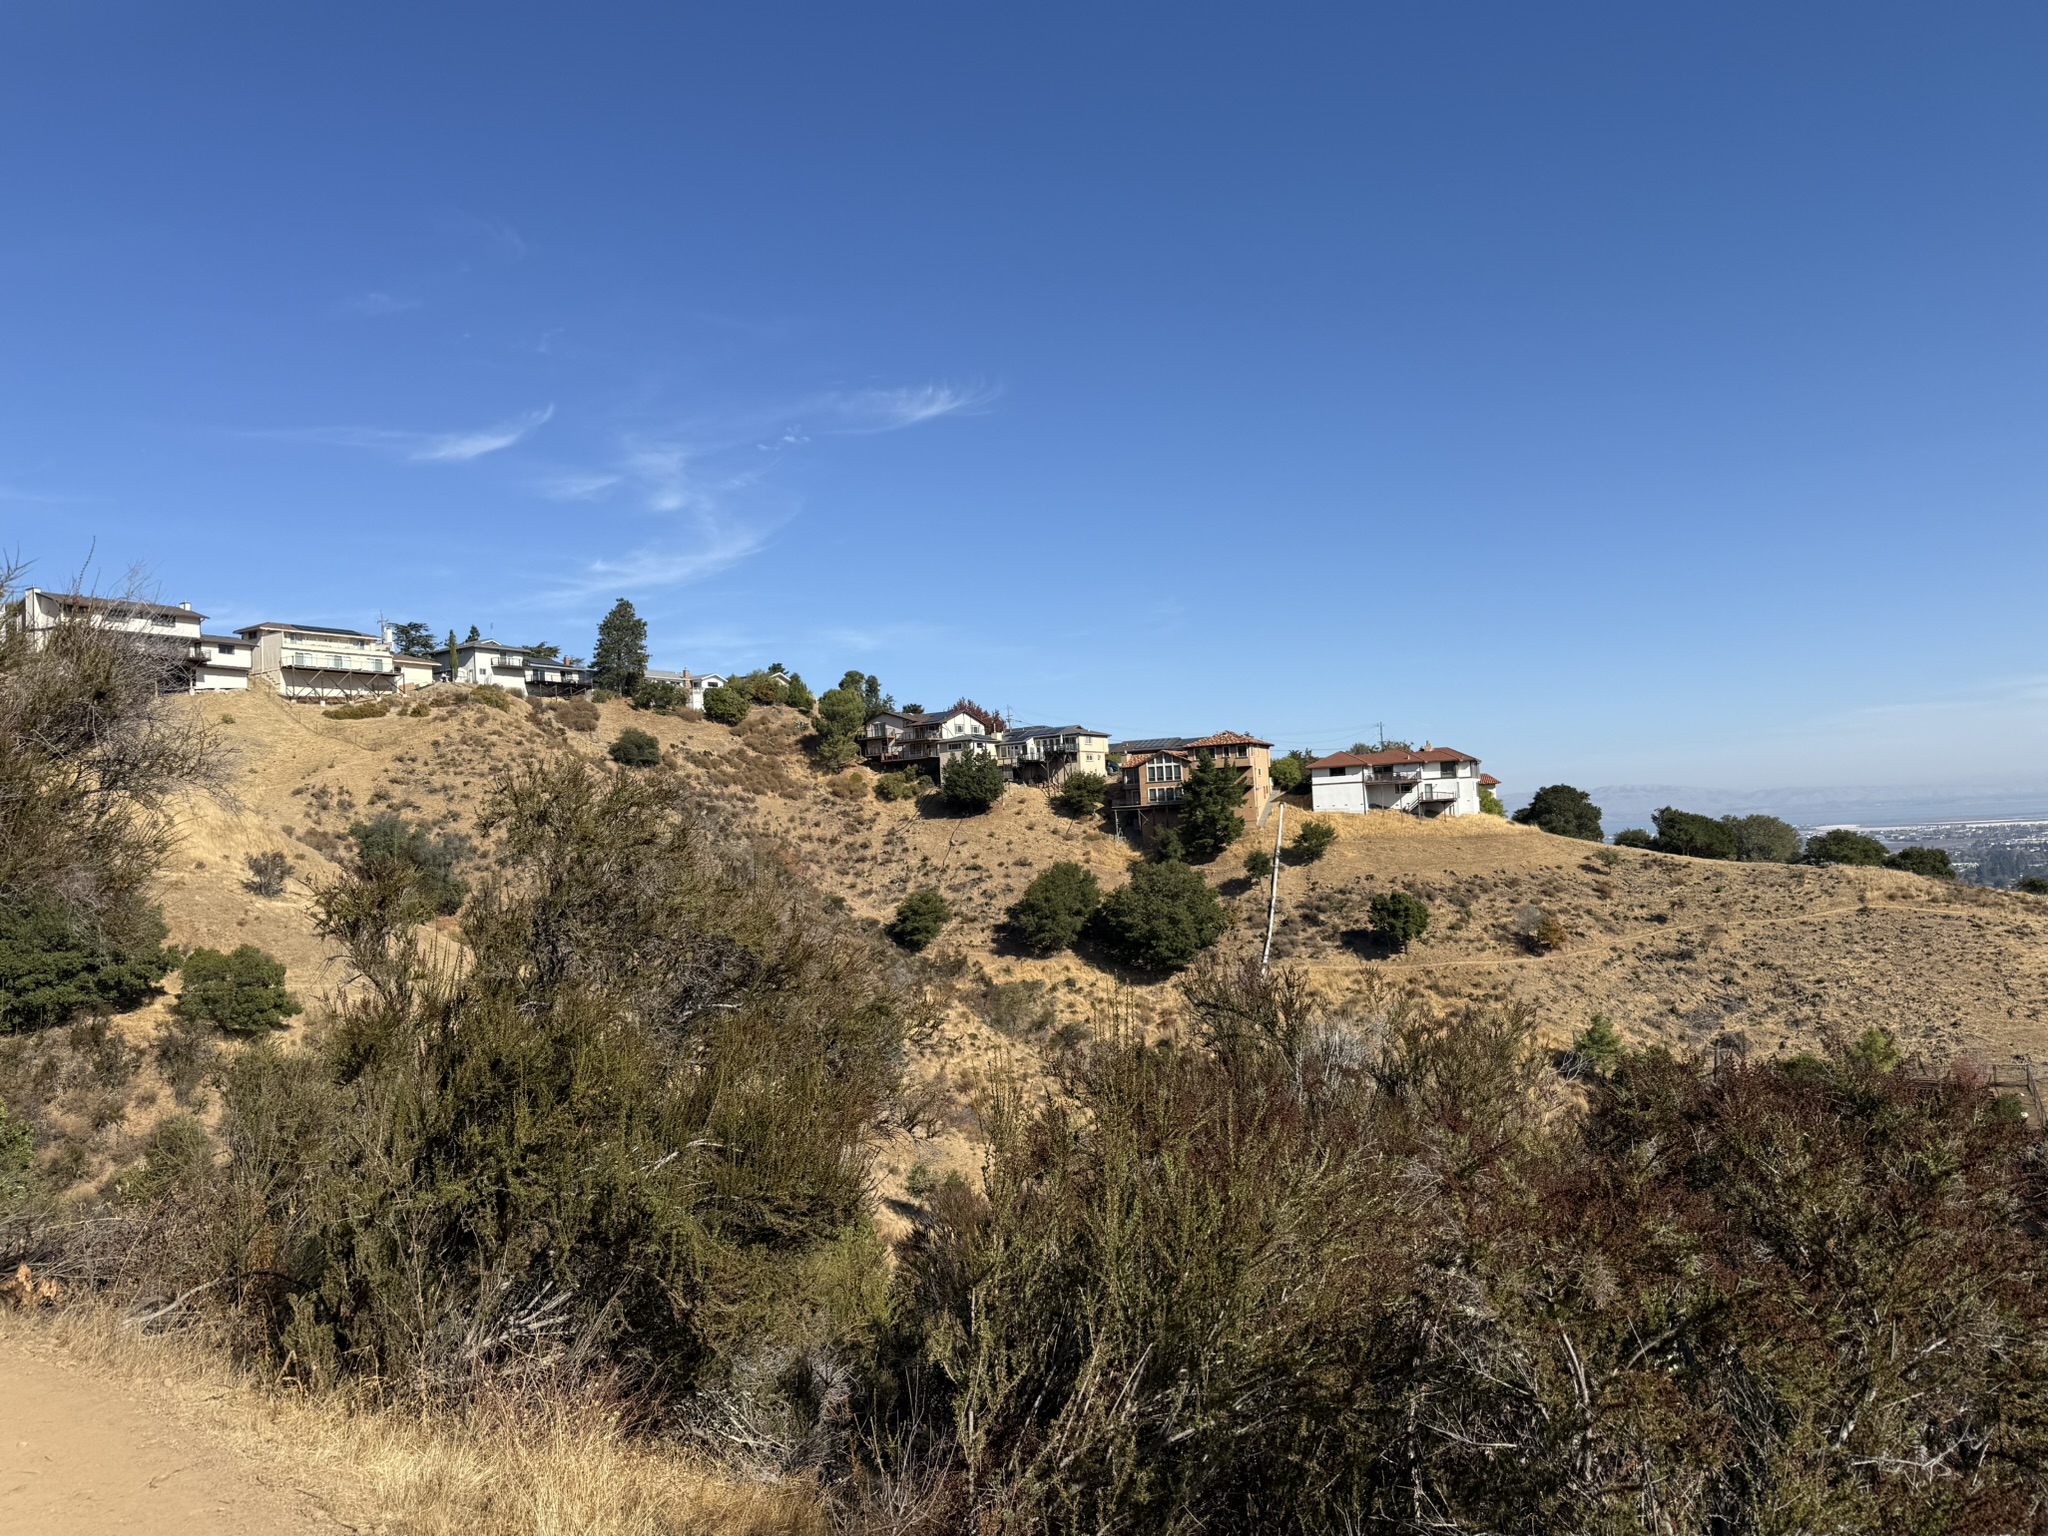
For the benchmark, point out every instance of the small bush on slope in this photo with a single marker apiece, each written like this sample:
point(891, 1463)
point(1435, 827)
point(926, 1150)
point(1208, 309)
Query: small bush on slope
point(1163, 917)
point(241, 992)
point(1055, 907)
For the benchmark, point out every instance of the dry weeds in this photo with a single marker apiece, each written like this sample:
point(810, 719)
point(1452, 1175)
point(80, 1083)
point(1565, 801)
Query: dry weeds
point(508, 1469)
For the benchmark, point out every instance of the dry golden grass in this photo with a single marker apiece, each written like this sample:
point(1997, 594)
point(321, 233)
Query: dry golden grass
point(522, 1469)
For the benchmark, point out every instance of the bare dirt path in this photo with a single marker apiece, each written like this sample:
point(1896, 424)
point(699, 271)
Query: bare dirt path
point(83, 1455)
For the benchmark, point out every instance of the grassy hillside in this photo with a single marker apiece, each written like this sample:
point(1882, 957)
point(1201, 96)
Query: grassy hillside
point(1675, 950)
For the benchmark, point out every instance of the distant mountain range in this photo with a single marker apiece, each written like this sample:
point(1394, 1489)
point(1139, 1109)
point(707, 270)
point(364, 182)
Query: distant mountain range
point(1632, 805)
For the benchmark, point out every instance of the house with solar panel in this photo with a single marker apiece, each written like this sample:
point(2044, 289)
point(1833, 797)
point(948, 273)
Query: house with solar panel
point(1146, 788)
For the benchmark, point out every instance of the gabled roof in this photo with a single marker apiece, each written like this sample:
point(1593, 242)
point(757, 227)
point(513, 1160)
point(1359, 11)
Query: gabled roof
point(1230, 739)
point(1188, 743)
point(1489, 781)
point(1392, 759)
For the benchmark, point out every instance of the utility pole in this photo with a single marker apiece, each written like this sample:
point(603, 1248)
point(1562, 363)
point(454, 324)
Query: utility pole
point(1273, 890)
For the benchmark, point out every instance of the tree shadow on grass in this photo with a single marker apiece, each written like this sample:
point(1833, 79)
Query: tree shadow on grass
point(1368, 944)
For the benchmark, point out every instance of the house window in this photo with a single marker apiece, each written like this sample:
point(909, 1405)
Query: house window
point(1168, 772)
point(1165, 796)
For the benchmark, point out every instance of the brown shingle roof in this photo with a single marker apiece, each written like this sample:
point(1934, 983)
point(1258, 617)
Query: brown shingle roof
point(1230, 739)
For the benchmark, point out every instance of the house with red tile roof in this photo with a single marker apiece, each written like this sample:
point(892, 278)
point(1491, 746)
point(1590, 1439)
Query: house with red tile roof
point(1145, 789)
point(1437, 781)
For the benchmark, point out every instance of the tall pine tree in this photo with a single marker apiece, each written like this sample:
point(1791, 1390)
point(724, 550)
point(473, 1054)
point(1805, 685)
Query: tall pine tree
point(620, 660)
point(1209, 822)
point(453, 660)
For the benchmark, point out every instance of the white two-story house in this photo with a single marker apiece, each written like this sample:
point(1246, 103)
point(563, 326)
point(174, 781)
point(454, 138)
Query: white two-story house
point(487, 663)
point(1436, 781)
point(311, 661)
point(1045, 754)
point(191, 660)
point(928, 741)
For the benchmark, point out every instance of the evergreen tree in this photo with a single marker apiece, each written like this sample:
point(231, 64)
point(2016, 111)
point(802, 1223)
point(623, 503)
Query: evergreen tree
point(1209, 822)
point(473, 636)
point(1563, 811)
point(840, 718)
point(1163, 918)
point(412, 640)
point(1055, 907)
point(973, 781)
point(620, 660)
point(453, 662)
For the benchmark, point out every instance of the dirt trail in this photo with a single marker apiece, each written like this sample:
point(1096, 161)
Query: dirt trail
point(84, 1455)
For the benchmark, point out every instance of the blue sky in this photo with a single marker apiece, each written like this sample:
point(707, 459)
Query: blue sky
point(1620, 393)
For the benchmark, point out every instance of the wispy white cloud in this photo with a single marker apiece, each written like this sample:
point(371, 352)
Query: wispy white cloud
point(500, 236)
point(461, 447)
point(711, 478)
point(891, 410)
point(420, 447)
point(377, 303)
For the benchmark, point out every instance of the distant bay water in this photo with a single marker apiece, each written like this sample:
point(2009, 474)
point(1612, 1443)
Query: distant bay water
point(1633, 805)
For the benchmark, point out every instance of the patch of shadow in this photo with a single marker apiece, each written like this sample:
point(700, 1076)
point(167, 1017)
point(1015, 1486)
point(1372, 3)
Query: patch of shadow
point(1368, 944)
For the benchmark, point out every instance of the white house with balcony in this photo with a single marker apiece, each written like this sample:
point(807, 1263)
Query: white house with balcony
point(1436, 781)
point(192, 660)
point(486, 663)
point(928, 740)
point(311, 661)
point(1045, 754)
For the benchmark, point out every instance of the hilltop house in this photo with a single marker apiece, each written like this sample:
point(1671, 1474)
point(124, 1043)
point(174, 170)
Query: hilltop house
point(897, 739)
point(1436, 781)
point(486, 663)
point(693, 684)
point(1145, 792)
point(557, 679)
point(194, 661)
point(1044, 754)
point(311, 661)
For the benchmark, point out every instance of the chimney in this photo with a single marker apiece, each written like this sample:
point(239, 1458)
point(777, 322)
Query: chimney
point(186, 606)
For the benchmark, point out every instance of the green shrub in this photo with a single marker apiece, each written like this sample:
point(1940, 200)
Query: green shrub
point(1564, 811)
point(603, 696)
point(907, 784)
point(1311, 842)
point(1490, 803)
point(1167, 847)
point(362, 709)
point(658, 694)
point(1398, 919)
point(54, 966)
point(2033, 885)
point(972, 781)
point(1254, 1278)
point(1163, 917)
point(177, 1155)
point(1932, 862)
point(577, 715)
point(1080, 794)
point(17, 1161)
point(1763, 839)
point(1056, 907)
point(1634, 837)
point(491, 695)
point(241, 992)
point(1841, 846)
point(842, 714)
point(728, 706)
point(1875, 1051)
point(1598, 1045)
point(636, 1122)
point(1290, 773)
point(634, 748)
point(1209, 822)
point(412, 857)
point(797, 696)
point(919, 918)
point(1258, 864)
point(1698, 837)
